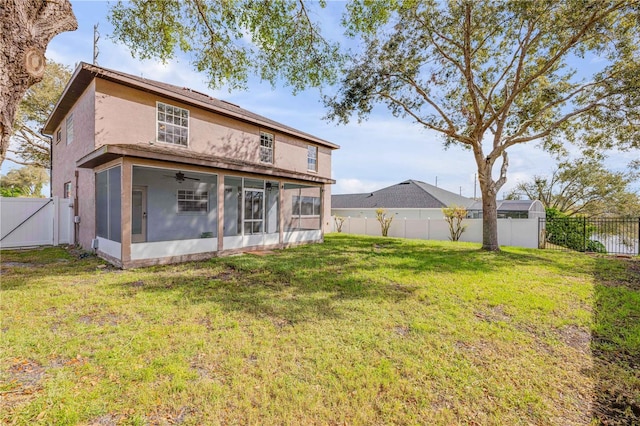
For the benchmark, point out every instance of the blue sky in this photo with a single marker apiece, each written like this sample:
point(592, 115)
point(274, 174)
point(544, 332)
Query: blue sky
point(379, 152)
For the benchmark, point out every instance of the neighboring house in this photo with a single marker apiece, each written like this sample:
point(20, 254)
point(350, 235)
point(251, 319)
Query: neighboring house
point(160, 173)
point(514, 209)
point(413, 199)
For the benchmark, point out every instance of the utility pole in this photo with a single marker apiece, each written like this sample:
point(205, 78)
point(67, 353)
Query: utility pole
point(96, 37)
point(475, 179)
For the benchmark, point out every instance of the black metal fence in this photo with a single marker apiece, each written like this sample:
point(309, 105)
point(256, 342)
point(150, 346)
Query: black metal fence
point(600, 235)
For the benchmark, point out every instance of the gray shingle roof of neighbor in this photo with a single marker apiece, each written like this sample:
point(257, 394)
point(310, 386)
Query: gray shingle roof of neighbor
point(404, 195)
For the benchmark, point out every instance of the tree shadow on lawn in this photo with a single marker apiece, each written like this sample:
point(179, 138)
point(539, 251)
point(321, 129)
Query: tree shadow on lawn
point(312, 281)
point(615, 342)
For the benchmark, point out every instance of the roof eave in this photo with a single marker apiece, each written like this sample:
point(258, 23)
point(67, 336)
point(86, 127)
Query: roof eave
point(107, 153)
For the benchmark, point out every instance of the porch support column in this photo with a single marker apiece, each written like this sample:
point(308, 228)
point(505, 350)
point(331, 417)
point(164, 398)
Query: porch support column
point(220, 212)
point(125, 212)
point(281, 213)
point(322, 212)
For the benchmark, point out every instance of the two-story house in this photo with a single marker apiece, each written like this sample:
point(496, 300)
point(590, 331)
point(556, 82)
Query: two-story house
point(160, 173)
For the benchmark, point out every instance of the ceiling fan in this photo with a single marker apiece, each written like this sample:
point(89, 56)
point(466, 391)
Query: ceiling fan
point(180, 177)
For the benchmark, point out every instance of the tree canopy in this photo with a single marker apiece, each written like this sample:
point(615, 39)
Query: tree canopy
point(28, 146)
point(583, 187)
point(26, 181)
point(487, 75)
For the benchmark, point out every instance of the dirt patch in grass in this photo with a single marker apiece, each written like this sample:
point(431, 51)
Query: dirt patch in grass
point(576, 337)
point(22, 383)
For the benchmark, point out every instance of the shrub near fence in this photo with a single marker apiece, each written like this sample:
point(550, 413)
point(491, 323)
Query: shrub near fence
point(600, 235)
point(511, 232)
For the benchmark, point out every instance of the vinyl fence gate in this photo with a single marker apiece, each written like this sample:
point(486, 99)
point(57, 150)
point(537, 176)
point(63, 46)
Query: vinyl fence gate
point(28, 222)
point(599, 235)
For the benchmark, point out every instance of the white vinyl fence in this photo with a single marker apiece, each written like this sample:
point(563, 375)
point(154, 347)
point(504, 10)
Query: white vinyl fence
point(511, 232)
point(27, 222)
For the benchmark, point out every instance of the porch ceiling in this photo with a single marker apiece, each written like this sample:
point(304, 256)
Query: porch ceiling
point(108, 153)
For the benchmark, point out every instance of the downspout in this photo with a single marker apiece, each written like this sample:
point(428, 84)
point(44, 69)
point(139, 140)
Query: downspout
point(50, 162)
point(76, 224)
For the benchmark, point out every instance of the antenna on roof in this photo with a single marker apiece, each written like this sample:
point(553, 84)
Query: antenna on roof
point(96, 37)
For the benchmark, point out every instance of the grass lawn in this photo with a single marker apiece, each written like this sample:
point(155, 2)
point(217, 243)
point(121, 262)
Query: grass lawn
point(357, 330)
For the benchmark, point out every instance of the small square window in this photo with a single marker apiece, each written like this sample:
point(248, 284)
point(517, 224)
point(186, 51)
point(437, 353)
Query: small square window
point(59, 136)
point(66, 192)
point(266, 147)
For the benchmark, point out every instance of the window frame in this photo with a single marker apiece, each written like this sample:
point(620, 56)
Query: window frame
point(59, 135)
point(172, 124)
point(196, 201)
point(66, 190)
point(312, 154)
point(69, 130)
point(264, 149)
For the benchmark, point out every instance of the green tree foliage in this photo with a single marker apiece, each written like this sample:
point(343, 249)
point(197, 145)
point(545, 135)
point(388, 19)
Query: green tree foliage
point(487, 75)
point(571, 232)
point(454, 216)
point(583, 187)
point(229, 40)
point(24, 182)
point(28, 146)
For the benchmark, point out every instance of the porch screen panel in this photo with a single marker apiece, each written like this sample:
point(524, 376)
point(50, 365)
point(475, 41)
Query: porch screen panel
point(302, 207)
point(102, 205)
point(115, 200)
point(232, 206)
point(108, 203)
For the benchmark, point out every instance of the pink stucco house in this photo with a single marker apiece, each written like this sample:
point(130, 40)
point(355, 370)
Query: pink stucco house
point(162, 174)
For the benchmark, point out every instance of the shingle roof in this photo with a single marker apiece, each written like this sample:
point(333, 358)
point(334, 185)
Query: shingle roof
point(407, 194)
point(84, 73)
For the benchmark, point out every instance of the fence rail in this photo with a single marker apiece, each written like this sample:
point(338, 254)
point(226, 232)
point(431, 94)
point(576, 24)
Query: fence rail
point(600, 235)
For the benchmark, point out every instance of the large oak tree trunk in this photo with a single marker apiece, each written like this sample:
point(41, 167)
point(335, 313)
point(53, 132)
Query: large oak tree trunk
point(489, 222)
point(488, 188)
point(26, 28)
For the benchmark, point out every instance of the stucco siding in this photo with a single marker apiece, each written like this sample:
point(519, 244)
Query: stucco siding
point(64, 162)
point(128, 116)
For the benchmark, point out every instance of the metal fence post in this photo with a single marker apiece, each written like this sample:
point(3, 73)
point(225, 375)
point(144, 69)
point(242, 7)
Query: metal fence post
point(584, 234)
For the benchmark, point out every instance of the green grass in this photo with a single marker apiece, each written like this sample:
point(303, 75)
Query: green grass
point(353, 331)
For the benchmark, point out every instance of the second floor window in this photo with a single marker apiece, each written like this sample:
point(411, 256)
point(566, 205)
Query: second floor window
point(312, 158)
point(266, 147)
point(59, 136)
point(70, 129)
point(173, 124)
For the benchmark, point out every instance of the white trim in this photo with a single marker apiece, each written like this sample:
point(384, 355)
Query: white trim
point(159, 249)
point(111, 248)
point(302, 236)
